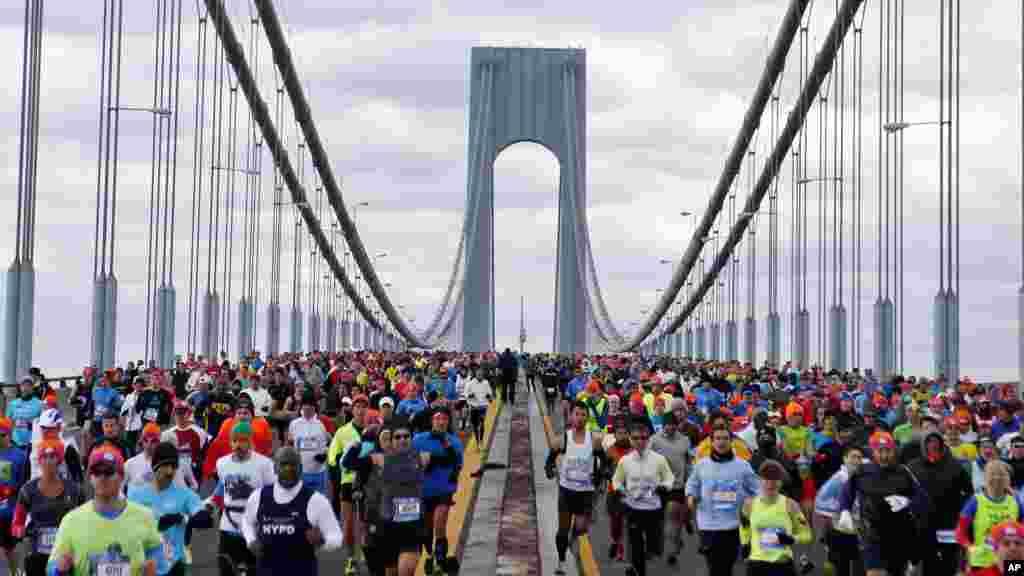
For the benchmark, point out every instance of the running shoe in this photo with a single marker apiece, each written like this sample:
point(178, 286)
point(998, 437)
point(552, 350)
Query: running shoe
point(560, 569)
point(612, 548)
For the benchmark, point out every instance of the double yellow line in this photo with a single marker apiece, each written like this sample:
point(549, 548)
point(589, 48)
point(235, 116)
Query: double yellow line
point(587, 565)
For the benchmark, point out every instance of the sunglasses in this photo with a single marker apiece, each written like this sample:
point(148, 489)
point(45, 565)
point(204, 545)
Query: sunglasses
point(401, 436)
point(102, 472)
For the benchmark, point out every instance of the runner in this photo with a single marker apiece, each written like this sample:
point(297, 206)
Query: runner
point(994, 505)
point(239, 474)
point(395, 503)
point(287, 523)
point(616, 445)
point(107, 535)
point(42, 504)
point(344, 438)
point(478, 396)
point(24, 411)
point(1008, 539)
point(675, 447)
point(575, 456)
point(140, 470)
point(948, 486)
point(717, 487)
point(174, 507)
point(309, 436)
point(439, 486)
point(191, 441)
point(889, 502)
point(643, 478)
point(50, 426)
point(13, 473)
point(770, 524)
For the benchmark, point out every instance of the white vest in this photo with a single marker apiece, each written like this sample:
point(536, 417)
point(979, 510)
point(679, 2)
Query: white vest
point(577, 467)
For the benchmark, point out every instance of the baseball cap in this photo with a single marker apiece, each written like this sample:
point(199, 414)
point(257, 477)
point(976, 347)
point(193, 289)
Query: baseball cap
point(106, 457)
point(6, 425)
point(387, 400)
point(360, 398)
point(182, 406)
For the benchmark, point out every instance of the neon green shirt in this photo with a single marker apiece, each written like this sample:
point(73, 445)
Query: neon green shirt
point(346, 436)
point(111, 547)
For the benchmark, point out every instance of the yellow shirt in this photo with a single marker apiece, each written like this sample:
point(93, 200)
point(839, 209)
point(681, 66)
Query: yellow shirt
point(739, 448)
point(966, 452)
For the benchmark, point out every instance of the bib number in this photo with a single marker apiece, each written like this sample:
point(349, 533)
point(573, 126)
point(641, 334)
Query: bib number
point(945, 536)
point(723, 499)
point(406, 509)
point(45, 540)
point(23, 424)
point(150, 414)
point(114, 569)
point(770, 538)
point(168, 549)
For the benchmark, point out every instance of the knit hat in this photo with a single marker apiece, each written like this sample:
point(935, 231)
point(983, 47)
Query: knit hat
point(165, 453)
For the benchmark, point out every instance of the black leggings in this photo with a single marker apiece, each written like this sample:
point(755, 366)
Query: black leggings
point(645, 530)
point(720, 549)
point(233, 546)
point(35, 564)
point(758, 568)
point(844, 554)
point(476, 417)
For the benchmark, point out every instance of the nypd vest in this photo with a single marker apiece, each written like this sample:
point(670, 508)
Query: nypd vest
point(281, 529)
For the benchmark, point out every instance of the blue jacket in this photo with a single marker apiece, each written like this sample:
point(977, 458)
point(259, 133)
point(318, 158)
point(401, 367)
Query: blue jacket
point(410, 408)
point(720, 489)
point(442, 474)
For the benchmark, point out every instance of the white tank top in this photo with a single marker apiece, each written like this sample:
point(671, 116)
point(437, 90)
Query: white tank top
point(577, 467)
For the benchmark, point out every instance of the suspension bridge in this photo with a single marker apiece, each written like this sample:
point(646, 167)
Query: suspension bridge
point(251, 237)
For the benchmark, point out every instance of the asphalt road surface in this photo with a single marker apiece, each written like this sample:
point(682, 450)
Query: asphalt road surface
point(689, 561)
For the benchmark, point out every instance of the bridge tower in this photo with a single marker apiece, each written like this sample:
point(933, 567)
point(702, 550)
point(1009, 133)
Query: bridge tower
point(526, 95)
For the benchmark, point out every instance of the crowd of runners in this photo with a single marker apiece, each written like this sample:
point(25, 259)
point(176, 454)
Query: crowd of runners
point(753, 465)
point(285, 457)
point(361, 452)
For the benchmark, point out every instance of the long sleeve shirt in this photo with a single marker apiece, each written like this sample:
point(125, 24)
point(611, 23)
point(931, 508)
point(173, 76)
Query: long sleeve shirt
point(638, 476)
point(720, 488)
point(318, 512)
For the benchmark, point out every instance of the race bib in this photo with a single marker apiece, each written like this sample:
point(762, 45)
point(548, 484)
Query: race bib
point(168, 548)
point(150, 414)
point(945, 536)
point(577, 469)
point(723, 499)
point(770, 538)
point(23, 424)
point(45, 540)
point(101, 411)
point(113, 569)
point(406, 509)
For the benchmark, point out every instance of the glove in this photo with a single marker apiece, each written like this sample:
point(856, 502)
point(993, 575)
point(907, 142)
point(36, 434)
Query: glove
point(168, 520)
point(785, 539)
point(845, 523)
point(550, 471)
point(320, 458)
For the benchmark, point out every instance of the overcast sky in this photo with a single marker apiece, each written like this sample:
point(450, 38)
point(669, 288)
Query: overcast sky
point(668, 84)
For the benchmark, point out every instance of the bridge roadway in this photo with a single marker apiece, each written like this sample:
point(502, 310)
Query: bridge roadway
point(689, 561)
